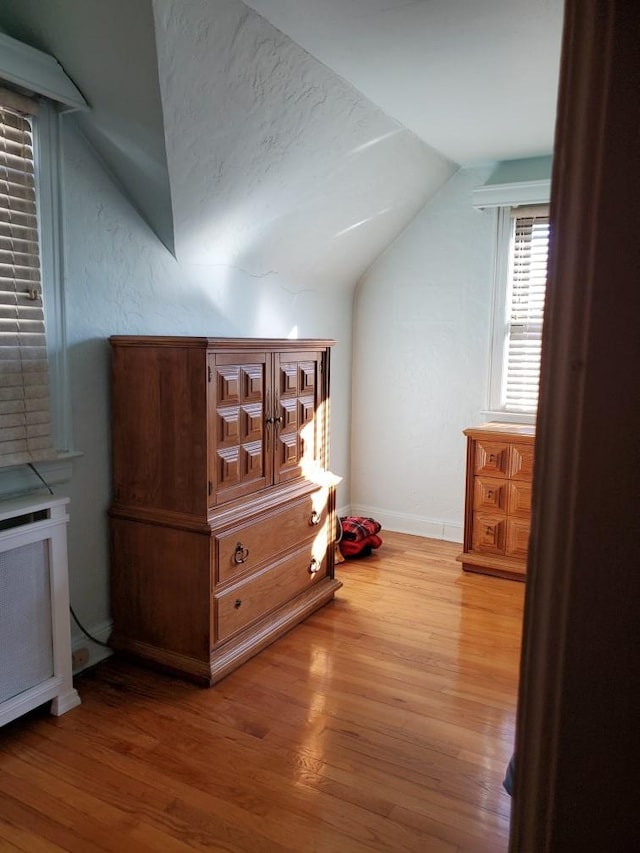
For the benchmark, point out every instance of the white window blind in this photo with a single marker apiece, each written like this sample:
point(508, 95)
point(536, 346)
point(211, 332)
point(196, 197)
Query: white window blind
point(525, 307)
point(25, 422)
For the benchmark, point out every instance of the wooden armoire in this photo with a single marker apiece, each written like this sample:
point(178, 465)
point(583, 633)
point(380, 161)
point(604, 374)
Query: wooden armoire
point(223, 513)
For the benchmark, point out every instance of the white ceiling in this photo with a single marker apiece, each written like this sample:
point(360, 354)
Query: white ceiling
point(475, 79)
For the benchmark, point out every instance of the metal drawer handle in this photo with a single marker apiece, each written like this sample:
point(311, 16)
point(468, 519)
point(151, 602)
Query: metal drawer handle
point(315, 518)
point(241, 554)
point(237, 603)
point(314, 566)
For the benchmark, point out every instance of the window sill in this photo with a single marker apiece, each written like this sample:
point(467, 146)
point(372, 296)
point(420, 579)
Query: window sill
point(493, 416)
point(20, 479)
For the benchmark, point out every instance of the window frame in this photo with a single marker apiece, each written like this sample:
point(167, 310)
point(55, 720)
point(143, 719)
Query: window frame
point(499, 327)
point(46, 134)
point(24, 68)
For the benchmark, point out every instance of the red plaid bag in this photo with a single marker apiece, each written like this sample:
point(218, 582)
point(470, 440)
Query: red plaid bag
point(359, 535)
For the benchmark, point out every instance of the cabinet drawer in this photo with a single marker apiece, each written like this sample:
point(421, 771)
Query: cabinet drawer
point(489, 494)
point(491, 458)
point(519, 498)
point(255, 597)
point(489, 533)
point(521, 462)
point(248, 546)
point(517, 541)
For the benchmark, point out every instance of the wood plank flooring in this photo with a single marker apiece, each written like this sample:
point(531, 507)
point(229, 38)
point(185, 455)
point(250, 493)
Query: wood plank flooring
point(382, 723)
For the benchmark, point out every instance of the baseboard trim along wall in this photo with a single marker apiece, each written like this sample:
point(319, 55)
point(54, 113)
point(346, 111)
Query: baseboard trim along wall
point(416, 525)
point(86, 653)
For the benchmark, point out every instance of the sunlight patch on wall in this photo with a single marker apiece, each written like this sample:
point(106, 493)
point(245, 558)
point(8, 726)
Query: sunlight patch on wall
point(362, 222)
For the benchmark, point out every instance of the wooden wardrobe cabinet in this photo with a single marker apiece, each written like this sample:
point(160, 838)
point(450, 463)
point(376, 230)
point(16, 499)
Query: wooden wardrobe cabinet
point(497, 519)
point(223, 514)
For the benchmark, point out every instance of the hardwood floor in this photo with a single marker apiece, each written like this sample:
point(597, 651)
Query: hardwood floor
point(384, 722)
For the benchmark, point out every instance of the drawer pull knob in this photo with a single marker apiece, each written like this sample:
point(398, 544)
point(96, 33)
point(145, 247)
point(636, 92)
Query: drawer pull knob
point(237, 603)
point(241, 554)
point(315, 518)
point(314, 566)
point(492, 457)
point(490, 494)
point(489, 531)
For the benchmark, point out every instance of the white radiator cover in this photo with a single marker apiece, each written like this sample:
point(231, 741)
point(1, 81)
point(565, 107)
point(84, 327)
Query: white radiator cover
point(35, 640)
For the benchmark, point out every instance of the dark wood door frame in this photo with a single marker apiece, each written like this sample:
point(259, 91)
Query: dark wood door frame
point(576, 777)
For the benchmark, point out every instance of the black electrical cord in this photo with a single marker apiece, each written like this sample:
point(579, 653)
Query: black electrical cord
point(40, 477)
point(75, 618)
point(85, 632)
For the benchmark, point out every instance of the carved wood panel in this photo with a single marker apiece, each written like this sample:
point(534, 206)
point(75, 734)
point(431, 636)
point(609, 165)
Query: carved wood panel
point(239, 421)
point(519, 499)
point(296, 409)
point(489, 494)
point(491, 458)
point(517, 540)
point(521, 462)
point(489, 532)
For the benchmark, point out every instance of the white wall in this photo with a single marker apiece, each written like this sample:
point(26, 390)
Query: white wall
point(295, 169)
point(421, 344)
point(121, 280)
point(286, 185)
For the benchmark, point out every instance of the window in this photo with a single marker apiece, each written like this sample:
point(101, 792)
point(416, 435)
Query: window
point(23, 68)
point(25, 420)
point(521, 274)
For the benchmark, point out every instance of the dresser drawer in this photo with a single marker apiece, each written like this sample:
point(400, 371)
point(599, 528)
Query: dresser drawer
point(257, 596)
point(249, 546)
point(489, 533)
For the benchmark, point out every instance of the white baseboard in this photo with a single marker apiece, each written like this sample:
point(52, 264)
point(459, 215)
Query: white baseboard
point(97, 653)
point(416, 525)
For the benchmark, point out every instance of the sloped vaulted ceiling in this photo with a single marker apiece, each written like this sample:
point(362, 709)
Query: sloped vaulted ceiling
point(241, 149)
point(474, 79)
point(238, 147)
point(278, 166)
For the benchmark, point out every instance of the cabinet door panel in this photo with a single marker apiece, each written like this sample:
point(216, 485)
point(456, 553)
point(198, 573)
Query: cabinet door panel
point(519, 502)
point(521, 462)
point(491, 458)
point(489, 494)
point(297, 446)
point(238, 384)
point(489, 533)
point(517, 541)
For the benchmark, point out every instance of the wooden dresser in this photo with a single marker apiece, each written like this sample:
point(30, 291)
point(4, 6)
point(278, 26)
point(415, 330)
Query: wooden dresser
point(223, 514)
point(497, 516)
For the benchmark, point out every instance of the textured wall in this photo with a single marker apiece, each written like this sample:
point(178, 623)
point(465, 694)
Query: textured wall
point(421, 349)
point(286, 185)
point(277, 166)
point(108, 49)
point(121, 280)
point(270, 157)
